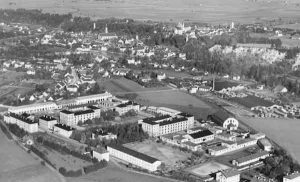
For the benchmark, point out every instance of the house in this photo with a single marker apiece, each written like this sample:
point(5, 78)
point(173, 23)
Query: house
point(265, 144)
point(224, 119)
point(22, 121)
point(133, 157)
point(72, 88)
point(193, 90)
point(30, 72)
point(161, 76)
point(100, 154)
point(125, 107)
point(72, 118)
point(101, 135)
point(294, 177)
point(201, 136)
point(280, 89)
point(250, 159)
point(228, 175)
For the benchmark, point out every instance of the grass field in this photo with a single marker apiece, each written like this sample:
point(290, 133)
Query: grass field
point(17, 165)
point(207, 168)
point(165, 153)
point(286, 42)
point(294, 26)
point(284, 132)
point(211, 11)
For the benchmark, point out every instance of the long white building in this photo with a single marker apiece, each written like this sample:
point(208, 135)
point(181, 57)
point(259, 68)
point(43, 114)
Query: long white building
point(133, 157)
point(162, 125)
point(34, 108)
point(23, 122)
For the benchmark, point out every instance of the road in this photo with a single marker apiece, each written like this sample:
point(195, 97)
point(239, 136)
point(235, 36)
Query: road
point(148, 91)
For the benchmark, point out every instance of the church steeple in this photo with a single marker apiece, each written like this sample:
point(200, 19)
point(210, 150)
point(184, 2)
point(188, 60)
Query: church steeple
point(106, 29)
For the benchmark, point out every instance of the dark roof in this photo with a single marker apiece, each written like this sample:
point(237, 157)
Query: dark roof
point(64, 127)
point(134, 153)
point(93, 107)
point(66, 112)
point(171, 121)
point(83, 112)
point(252, 156)
point(201, 134)
point(219, 117)
point(185, 114)
point(152, 120)
point(47, 118)
point(22, 118)
point(127, 104)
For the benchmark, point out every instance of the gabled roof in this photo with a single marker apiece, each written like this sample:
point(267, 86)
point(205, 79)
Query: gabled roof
point(219, 117)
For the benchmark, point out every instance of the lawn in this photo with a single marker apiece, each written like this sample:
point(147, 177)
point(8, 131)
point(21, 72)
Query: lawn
point(252, 101)
point(284, 132)
point(17, 165)
point(207, 168)
point(165, 153)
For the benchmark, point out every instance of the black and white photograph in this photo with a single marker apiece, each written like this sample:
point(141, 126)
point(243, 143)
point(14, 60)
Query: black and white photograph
point(149, 90)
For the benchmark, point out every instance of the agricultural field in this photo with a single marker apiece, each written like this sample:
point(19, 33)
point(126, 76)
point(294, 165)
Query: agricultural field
point(17, 165)
point(283, 131)
point(251, 101)
point(289, 43)
point(113, 173)
point(294, 26)
point(210, 11)
point(207, 168)
point(165, 153)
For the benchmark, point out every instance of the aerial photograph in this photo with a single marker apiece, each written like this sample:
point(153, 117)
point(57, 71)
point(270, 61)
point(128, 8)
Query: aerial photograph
point(150, 91)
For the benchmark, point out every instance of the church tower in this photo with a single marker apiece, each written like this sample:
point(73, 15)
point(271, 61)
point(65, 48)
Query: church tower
point(106, 29)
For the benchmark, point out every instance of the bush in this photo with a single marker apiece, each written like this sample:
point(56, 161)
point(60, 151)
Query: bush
point(95, 166)
point(3, 128)
point(70, 173)
point(16, 130)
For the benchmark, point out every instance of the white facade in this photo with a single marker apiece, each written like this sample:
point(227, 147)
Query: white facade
point(294, 177)
point(33, 108)
point(124, 108)
point(170, 125)
point(63, 130)
point(47, 122)
point(26, 124)
point(100, 155)
point(72, 118)
point(167, 111)
point(250, 159)
point(133, 157)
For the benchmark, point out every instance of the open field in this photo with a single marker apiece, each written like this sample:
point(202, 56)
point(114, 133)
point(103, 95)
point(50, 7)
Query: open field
point(252, 101)
point(289, 43)
point(112, 173)
point(212, 11)
point(123, 85)
point(284, 132)
point(294, 26)
point(165, 153)
point(64, 160)
point(17, 165)
point(207, 168)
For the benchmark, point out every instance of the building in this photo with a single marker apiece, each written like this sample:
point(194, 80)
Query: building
point(100, 134)
point(250, 159)
point(72, 118)
point(22, 121)
point(224, 119)
point(167, 111)
point(265, 144)
point(47, 122)
point(125, 107)
point(294, 177)
point(230, 146)
point(34, 108)
point(133, 157)
point(201, 136)
point(63, 130)
point(100, 154)
point(228, 175)
point(162, 125)
point(107, 36)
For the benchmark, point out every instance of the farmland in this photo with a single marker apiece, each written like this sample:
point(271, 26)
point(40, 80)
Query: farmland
point(165, 153)
point(252, 101)
point(211, 11)
point(284, 132)
point(17, 165)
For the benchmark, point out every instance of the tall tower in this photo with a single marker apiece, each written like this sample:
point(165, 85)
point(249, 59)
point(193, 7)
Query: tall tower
point(94, 26)
point(106, 29)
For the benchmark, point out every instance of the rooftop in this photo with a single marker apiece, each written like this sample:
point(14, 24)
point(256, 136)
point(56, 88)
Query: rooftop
point(171, 121)
point(47, 118)
point(22, 118)
point(134, 153)
point(252, 156)
point(201, 134)
point(83, 112)
point(153, 120)
point(64, 127)
point(230, 172)
point(293, 176)
point(127, 104)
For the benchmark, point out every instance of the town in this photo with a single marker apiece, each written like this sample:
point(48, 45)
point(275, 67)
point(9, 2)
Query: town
point(166, 100)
